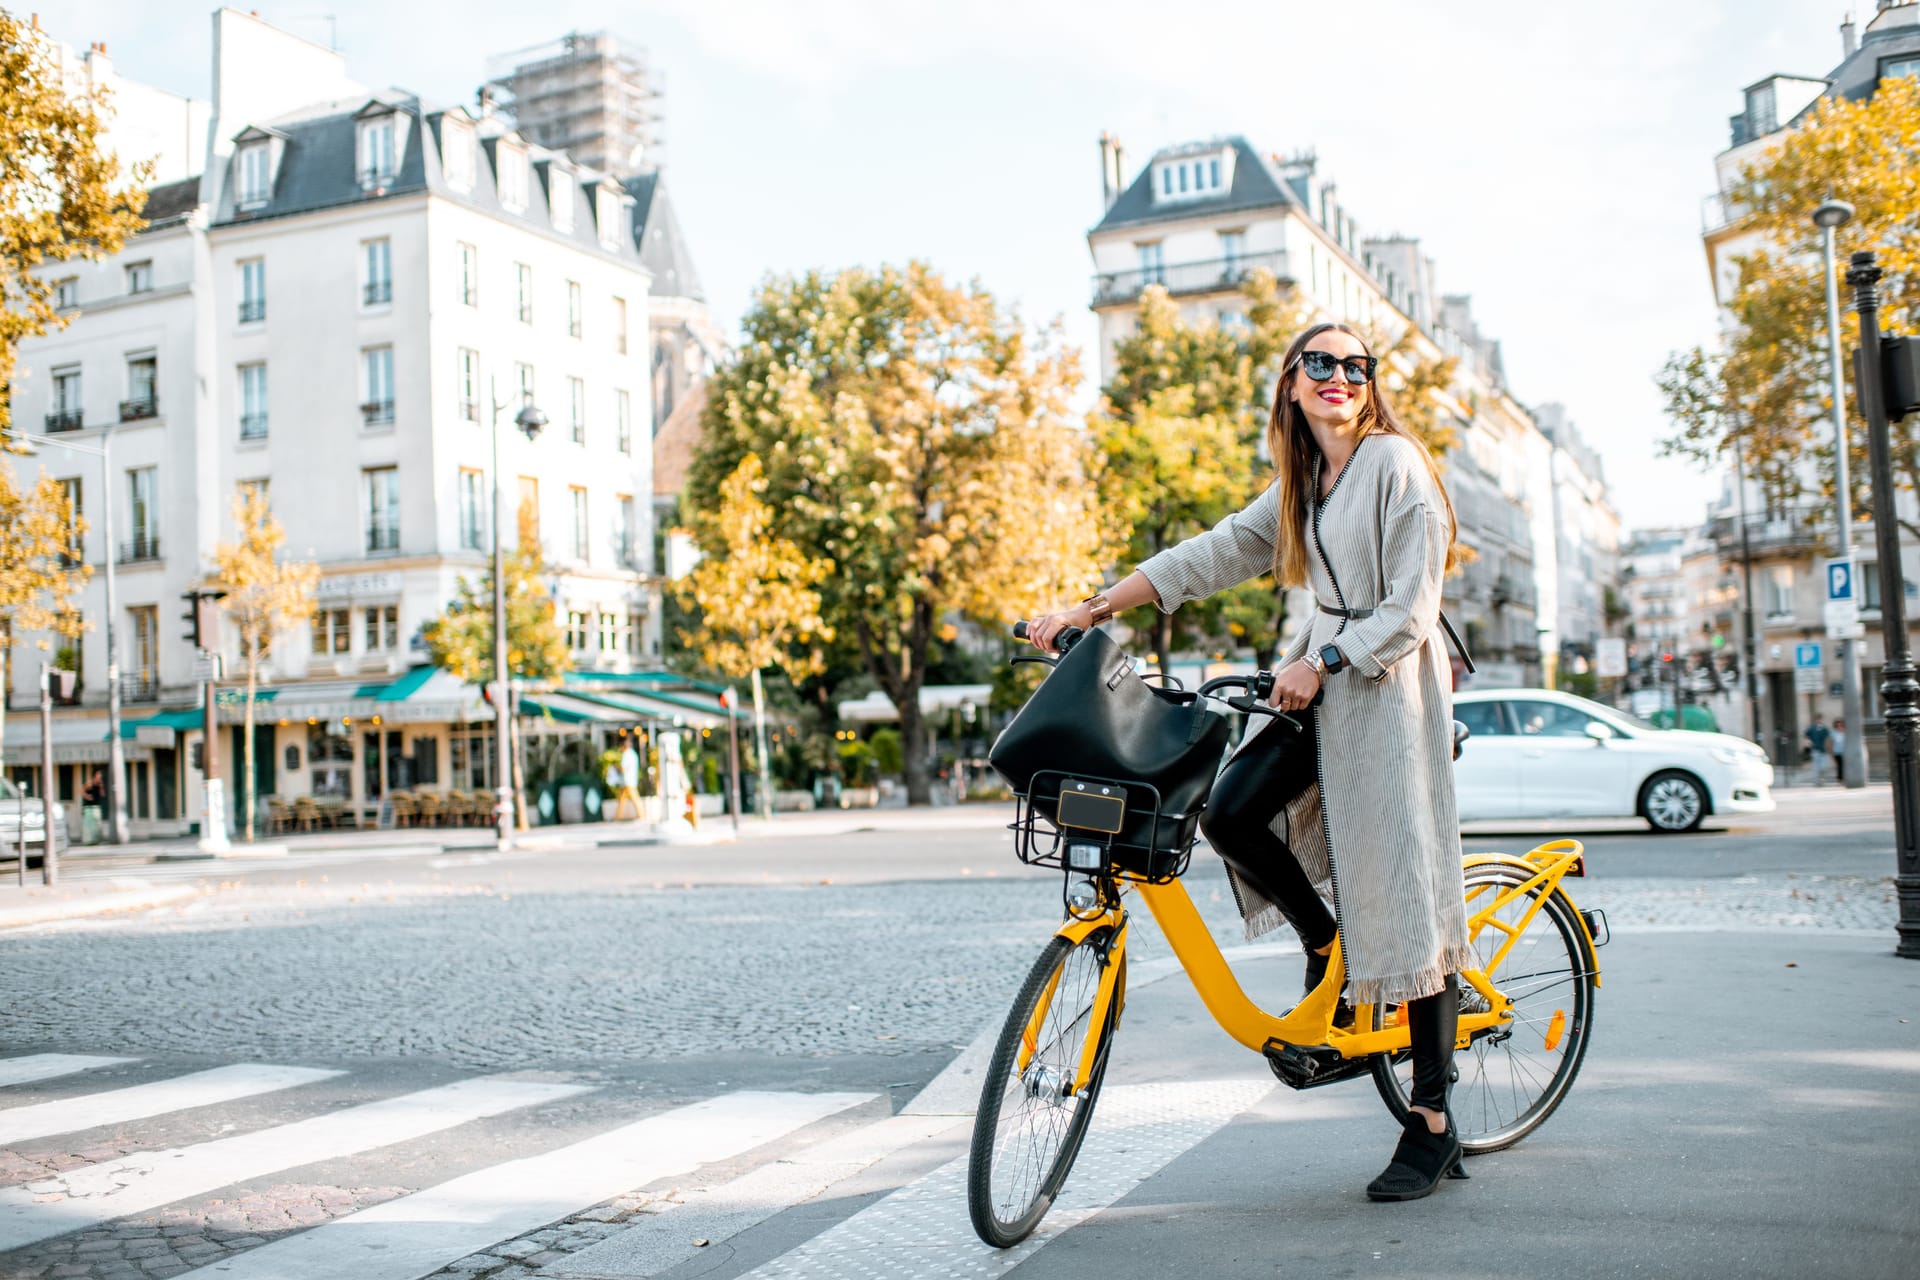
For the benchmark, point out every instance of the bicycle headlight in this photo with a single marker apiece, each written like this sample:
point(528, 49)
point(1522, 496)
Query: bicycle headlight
point(1085, 857)
point(1082, 898)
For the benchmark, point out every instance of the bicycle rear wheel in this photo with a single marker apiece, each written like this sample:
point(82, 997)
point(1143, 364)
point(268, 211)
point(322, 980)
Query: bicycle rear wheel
point(1513, 1076)
point(1029, 1126)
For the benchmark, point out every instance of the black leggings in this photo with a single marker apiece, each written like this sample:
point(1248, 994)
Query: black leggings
point(1260, 781)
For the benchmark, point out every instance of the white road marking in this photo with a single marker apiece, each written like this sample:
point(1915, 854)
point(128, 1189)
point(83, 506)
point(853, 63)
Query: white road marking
point(92, 1194)
point(922, 1229)
point(419, 1234)
point(663, 1240)
point(136, 1102)
point(45, 1066)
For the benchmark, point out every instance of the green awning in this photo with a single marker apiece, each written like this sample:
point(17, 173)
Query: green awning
point(191, 718)
point(405, 687)
point(567, 709)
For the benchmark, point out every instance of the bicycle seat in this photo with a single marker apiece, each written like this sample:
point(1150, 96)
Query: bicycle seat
point(1460, 735)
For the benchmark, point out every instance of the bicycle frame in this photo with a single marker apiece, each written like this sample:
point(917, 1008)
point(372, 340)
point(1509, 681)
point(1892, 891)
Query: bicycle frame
point(1311, 1022)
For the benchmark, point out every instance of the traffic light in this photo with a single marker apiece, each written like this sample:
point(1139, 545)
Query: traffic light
point(201, 629)
point(1900, 376)
point(192, 618)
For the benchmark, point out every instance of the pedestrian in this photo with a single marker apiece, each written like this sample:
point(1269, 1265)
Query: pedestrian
point(95, 792)
point(1817, 738)
point(1837, 743)
point(1357, 513)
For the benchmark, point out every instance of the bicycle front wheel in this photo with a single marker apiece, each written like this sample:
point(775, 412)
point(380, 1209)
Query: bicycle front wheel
point(1032, 1118)
point(1512, 1076)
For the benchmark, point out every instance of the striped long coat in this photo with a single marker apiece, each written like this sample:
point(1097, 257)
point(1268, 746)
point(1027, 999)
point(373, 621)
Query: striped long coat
point(1380, 834)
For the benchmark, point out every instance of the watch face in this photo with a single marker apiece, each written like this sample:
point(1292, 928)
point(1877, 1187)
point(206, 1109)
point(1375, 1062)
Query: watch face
point(1330, 657)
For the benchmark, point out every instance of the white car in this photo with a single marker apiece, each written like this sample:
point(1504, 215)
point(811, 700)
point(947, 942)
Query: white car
point(14, 808)
point(1536, 753)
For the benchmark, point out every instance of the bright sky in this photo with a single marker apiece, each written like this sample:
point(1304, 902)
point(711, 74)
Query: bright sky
point(1552, 157)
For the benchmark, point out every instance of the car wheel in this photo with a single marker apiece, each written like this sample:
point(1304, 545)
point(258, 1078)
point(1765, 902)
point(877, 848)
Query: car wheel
point(1673, 802)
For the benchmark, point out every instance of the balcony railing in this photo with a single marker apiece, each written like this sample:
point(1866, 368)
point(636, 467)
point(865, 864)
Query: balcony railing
point(144, 546)
point(470, 410)
point(135, 410)
point(1793, 531)
point(1718, 211)
point(382, 538)
point(253, 426)
point(139, 688)
point(376, 292)
point(379, 176)
point(64, 420)
point(1222, 275)
point(378, 413)
point(253, 309)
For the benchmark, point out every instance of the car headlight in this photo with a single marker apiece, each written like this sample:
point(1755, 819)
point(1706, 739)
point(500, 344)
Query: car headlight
point(1727, 755)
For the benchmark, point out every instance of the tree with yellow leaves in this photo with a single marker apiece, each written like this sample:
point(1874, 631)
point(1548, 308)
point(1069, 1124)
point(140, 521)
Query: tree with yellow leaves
point(61, 194)
point(263, 595)
point(41, 570)
point(916, 440)
point(1767, 389)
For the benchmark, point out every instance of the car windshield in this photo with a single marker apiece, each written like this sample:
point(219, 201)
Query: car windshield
point(6, 790)
point(1617, 713)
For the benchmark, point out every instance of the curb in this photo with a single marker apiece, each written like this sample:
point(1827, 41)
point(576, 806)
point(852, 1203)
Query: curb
point(92, 905)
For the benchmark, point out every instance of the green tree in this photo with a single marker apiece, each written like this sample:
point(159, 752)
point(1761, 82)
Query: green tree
point(264, 594)
point(917, 439)
point(61, 193)
point(1766, 389)
point(41, 571)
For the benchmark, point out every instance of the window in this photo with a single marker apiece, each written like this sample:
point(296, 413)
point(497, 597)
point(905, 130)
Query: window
point(634, 633)
point(143, 493)
point(468, 384)
point(629, 533)
point(141, 401)
point(607, 208)
point(66, 390)
point(383, 627)
point(577, 399)
point(577, 630)
point(383, 509)
point(1151, 263)
point(1483, 719)
point(473, 507)
point(609, 632)
point(253, 401)
point(330, 633)
point(620, 325)
point(1550, 720)
point(574, 325)
point(146, 646)
point(513, 177)
point(456, 153)
point(139, 277)
point(376, 151)
point(1869, 579)
point(66, 293)
point(377, 286)
point(470, 759)
point(560, 196)
point(1780, 591)
point(253, 290)
point(523, 375)
point(1233, 247)
point(254, 161)
point(72, 491)
point(578, 497)
point(469, 275)
point(1761, 114)
point(523, 275)
point(623, 421)
point(253, 489)
point(529, 508)
point(377, 408)
point(1894, 67)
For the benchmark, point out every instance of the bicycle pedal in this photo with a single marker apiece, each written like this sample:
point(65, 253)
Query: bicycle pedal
point(1310, 1067)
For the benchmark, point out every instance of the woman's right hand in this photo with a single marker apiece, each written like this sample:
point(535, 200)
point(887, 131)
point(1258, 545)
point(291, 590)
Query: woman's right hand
point(1043, 629)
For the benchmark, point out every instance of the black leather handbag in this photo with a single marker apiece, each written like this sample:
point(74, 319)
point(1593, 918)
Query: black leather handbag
point(1095, 720)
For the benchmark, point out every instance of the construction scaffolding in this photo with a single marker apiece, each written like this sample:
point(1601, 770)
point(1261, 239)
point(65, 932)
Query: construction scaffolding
point(589, 94)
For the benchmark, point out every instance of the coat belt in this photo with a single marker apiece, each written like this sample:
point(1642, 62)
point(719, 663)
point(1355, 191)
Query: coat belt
point(1355, 615)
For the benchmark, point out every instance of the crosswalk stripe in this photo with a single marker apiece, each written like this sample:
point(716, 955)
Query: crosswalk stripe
point(92, 1194)
point(45, 1066)
point(922, 1228)
point(117, 1106)
point(421, 1233)
point(664, 1239)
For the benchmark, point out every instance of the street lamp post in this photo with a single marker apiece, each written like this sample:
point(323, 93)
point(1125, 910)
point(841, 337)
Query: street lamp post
point(530, 421)
point(116, 753)
point(1853, 763)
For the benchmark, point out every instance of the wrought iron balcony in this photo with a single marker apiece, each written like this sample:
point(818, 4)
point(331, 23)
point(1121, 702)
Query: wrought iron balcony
point(1796, 530)
point(140, 688)
point(378, 413)
point(64, 420)
point(1222, 275)
point(377, 291)
point(253, 309)
point(144, 546)
point(253, 426)
point(135, 410)
point(382, 538)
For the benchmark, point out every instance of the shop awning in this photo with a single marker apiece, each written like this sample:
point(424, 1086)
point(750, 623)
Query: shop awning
point(568, 709)
point(657, 696)
point(191, 718)
point(630, 706)
point(78, 738)
point(877, 708)
point(424, 695)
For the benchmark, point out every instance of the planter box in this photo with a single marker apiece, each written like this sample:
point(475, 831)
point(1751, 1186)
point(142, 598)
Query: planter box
point(792, 801)
point(859, 797)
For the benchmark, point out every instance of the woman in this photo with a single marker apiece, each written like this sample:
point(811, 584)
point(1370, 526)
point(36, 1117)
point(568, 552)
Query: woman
point(1364, 796)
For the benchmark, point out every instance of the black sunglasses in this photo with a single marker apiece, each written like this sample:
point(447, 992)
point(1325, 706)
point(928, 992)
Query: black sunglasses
point(1319, 366)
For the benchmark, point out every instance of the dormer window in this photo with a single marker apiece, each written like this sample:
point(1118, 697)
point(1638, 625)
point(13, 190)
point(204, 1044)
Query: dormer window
point(256, 175)
point(1195, 176)
point(560, 189)
point(378, 162)
point(607, 210)
point(512, 162)
point(456, 154)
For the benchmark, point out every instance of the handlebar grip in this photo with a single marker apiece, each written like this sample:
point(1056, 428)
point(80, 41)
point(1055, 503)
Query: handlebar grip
point(1020, 629)
point(1064, 640)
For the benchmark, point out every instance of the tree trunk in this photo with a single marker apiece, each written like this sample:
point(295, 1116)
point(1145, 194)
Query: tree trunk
point(247, 784)
point(518, 738)
point(1163, 639)
point(913, 750)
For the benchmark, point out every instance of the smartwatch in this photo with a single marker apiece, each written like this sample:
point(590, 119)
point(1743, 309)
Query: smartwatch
point(1332, 661)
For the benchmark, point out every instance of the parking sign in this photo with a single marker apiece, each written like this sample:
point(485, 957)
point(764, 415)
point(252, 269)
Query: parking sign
point(1842, 613)
point(1807, 674)
point(1840, 575)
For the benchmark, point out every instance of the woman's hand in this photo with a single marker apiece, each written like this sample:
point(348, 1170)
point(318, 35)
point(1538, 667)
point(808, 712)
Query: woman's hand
point(1294, 687)
point(1043, 629)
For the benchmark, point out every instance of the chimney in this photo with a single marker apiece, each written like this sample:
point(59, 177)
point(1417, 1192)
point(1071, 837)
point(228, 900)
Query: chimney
point(1848, 40)
point(1106, 170)
point(486, 101)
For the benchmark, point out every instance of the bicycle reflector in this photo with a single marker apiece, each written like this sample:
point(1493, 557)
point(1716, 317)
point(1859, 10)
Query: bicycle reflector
point(1556, 1026)
point(1085, 857)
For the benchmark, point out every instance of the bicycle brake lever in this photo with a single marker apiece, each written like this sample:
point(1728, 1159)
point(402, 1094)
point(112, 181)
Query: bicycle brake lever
point(1248, 705)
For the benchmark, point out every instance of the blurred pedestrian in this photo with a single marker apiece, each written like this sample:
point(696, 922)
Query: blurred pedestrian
point(1817, 738)
point(1837, 743)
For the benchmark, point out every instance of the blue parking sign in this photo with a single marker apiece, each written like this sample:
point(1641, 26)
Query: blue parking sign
point(1806, 655)
point(1840, 578)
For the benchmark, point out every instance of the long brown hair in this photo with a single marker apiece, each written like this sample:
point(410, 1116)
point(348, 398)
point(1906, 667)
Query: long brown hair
point(1291, 444)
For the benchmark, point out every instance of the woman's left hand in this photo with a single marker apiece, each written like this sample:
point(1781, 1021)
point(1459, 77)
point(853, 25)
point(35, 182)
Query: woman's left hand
point(1295, 687)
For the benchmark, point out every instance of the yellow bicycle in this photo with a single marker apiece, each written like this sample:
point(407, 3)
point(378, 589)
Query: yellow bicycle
point(1526, 1008)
